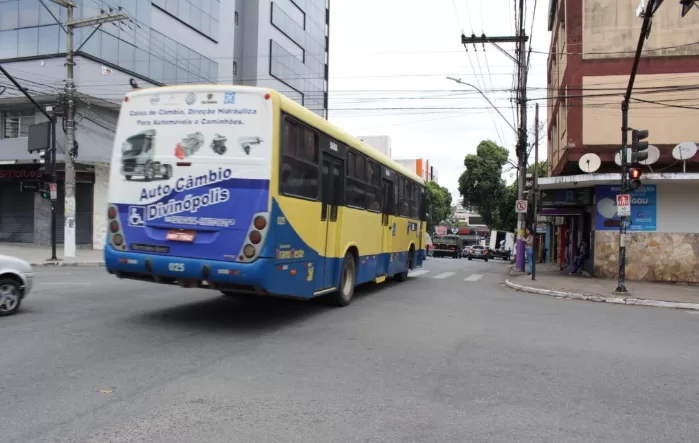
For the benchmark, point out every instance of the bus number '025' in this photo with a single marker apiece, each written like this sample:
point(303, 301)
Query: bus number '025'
point(176, 267)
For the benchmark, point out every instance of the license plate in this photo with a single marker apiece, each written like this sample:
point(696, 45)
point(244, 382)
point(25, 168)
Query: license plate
point(184, 236)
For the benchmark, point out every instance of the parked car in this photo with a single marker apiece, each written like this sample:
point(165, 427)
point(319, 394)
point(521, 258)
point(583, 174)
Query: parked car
point(478, 252)
point(16, 278)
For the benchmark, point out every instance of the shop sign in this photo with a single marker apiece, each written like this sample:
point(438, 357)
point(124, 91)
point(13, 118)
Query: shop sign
point(553, 198)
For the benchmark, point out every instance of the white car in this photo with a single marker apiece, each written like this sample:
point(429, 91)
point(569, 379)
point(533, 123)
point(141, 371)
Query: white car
point(16, 278)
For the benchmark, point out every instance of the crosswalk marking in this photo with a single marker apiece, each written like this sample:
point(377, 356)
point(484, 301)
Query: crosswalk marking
point(444, 275)
point(417, 273)
point(474, 277)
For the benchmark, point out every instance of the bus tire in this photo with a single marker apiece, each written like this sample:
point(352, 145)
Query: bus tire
point(403, 276)
point(348, 276)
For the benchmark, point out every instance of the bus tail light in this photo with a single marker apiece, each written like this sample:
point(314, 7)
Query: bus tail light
point(257, 232)
point(260, 223)
point(116, 236)
point(249, 251)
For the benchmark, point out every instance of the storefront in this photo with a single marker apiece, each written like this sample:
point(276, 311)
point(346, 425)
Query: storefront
point(26, 218)
point(662, 238)
point(575, 207)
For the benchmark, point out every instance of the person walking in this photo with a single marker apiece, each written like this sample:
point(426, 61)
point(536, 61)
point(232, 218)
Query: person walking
point(529, 252)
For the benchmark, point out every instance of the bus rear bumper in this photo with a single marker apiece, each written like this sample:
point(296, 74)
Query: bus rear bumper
point(187, 272)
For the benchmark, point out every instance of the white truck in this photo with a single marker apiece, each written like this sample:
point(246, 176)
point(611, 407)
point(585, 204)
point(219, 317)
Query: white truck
point(501, 244)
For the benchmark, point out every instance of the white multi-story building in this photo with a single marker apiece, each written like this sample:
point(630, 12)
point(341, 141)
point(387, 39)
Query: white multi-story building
point(381, 143)
point(281, 44)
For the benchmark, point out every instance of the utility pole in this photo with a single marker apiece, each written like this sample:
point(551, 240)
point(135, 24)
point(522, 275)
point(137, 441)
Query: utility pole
point(69, 118)
point(651, 8)
point(624, 221)
point(521, 62)
point(535, 188)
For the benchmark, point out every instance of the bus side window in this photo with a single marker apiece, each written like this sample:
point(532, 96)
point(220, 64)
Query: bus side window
point(373, 189)
point(299, 161)
point(414, 198)
point(356, 196)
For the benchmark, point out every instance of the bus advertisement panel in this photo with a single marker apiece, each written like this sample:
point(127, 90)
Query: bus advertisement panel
point(190, 172)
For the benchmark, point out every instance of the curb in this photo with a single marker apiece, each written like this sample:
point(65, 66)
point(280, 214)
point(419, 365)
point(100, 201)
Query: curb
point(598, 298)
point(61, 264)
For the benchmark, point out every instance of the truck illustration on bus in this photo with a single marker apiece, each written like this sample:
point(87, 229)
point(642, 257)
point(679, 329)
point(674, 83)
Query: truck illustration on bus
point(138, 158)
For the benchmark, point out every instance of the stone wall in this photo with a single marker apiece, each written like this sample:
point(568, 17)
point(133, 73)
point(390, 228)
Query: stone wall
point(650, 256)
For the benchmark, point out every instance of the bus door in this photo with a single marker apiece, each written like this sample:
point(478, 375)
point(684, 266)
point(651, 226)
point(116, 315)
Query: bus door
point(387, 234)
point(333, 170)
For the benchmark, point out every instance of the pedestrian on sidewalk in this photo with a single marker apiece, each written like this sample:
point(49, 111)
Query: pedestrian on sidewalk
point(529, 253)
point(580, 258)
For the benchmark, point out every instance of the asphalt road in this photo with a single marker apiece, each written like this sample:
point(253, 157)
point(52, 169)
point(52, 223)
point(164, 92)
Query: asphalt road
point(451, 355)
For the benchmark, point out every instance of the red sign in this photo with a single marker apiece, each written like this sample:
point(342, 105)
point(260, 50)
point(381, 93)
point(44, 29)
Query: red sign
point(184, 236)
point(22, 174)
point(623, 200)
point(19, 174)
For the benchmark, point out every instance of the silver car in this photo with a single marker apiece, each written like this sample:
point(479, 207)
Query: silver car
point(16, 278)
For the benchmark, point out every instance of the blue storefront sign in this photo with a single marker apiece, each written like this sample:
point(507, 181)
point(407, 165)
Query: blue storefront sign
point(644, 206)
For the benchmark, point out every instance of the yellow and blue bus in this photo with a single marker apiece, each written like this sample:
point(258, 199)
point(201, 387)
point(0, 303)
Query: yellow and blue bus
point(242, 190)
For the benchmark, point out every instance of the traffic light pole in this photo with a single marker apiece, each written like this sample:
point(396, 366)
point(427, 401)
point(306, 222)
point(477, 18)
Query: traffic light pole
point(647, 15)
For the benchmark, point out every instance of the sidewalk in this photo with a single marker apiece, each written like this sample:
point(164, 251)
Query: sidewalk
point(39, 255)
point(554, 282)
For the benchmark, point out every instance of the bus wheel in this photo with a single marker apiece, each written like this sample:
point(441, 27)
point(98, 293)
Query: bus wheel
point(348, 276)
point(403, 276)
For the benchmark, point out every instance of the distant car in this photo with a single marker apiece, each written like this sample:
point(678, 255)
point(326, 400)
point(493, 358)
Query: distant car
point(16, 278)
point(478, 252)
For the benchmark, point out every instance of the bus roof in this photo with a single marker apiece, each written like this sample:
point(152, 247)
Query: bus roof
point(297, 110)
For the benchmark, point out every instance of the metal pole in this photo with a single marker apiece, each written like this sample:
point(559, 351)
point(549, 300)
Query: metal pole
point(522, 143)
point(623, 223)
point(53, 180)
point(69, 180)
point(535, 188)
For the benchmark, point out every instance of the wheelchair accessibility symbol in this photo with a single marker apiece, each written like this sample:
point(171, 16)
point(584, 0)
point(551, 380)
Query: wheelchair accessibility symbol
point(136, 216)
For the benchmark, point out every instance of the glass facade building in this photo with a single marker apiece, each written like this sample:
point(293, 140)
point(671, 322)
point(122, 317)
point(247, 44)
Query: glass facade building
point(291, 34)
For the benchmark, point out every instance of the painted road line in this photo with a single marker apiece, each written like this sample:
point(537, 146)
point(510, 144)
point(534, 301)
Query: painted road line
point(444, 275)
point(692, 312)
point(474, 277)
point(417, 273)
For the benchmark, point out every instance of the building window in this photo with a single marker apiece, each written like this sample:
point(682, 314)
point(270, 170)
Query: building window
point(235, 68)
point(235, 18)
point(16, 123)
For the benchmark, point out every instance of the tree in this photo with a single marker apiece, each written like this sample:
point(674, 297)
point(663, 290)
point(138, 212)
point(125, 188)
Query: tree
point(438, 204)
point(481, 184)
point(506, 219)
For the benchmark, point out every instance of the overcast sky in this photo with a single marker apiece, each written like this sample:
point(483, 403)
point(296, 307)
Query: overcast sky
point(397, 54)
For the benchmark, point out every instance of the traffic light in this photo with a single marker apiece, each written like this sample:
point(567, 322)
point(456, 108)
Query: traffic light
point(639, 146)
point(44, 161)
point(44, 190)
point(635, 178)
